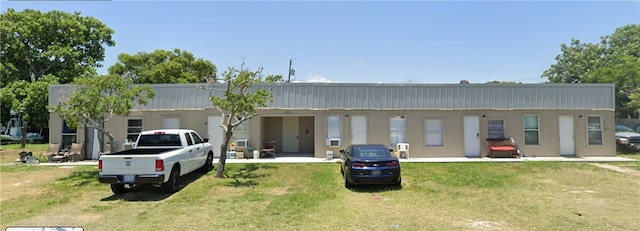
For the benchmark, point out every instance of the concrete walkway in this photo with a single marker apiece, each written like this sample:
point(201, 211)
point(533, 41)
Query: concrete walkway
point(412, 160)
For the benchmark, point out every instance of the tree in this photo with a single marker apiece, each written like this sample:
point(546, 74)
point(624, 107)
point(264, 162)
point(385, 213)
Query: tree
point(34, 97)
point(163, 66)
point(34, 44)
point(237, 101)
point(616, 59)
point(624, 72)
point(93, 101)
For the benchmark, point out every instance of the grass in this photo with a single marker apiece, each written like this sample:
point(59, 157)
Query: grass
point(9, 152)
point(434, 196)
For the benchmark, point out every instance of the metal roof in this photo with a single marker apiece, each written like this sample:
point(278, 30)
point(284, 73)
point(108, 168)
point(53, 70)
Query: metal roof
point(385, 96)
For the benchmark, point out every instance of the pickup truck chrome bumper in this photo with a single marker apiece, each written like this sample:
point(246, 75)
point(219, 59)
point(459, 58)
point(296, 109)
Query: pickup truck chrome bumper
point(135, 179)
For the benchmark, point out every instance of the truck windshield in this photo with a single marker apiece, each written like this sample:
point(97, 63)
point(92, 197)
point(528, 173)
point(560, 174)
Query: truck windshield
point(159, 140)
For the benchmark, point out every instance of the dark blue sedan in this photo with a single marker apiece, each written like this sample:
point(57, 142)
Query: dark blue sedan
point(369, 164)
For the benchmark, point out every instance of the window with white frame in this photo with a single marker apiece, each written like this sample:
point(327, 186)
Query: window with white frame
point(134, 127)
point(594, 130)
point(333, 129)
point(241, 131)
point(433, 132)
point(397, 130)
point(495, 128)
point(69, 136)
point(531, 130)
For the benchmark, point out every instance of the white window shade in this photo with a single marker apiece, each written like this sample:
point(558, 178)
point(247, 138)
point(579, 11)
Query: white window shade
point(433, 132)
point(397, 129)
point(333, 129)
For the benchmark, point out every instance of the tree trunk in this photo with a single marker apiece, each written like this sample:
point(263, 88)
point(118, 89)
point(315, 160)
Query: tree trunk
point(223, 153)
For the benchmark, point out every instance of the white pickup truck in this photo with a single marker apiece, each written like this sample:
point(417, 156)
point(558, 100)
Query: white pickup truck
point(159, 157)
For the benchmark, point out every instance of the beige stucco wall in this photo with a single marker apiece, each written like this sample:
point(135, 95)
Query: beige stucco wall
point(268, 126)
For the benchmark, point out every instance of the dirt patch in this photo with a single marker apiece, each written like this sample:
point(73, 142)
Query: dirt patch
point(20, 184)
point(618, 169)
point(279, 191)
point(485, 225)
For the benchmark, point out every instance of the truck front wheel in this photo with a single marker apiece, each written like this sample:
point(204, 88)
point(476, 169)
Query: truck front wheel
point(119, 189)
point(172, 185)
point(208, 164)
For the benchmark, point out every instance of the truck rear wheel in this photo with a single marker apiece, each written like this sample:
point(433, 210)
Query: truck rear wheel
point(119, 189)
point(172, 185)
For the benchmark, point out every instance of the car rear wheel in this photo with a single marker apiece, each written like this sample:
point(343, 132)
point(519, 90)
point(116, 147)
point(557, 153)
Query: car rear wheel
point(399, 183)
point(119, 189)
point(172, 185)
point(347, 184)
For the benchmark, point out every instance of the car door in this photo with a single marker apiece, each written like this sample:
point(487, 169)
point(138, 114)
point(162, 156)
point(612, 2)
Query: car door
point(191, 153)
point(201, 151)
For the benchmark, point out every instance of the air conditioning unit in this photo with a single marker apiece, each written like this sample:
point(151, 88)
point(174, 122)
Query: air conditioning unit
point(334, 142)
point(242, 143)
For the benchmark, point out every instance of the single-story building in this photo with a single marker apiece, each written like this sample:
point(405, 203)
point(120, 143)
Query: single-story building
point(436, 120)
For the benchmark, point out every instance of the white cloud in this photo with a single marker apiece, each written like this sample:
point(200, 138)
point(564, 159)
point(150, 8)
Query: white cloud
point(318, 79)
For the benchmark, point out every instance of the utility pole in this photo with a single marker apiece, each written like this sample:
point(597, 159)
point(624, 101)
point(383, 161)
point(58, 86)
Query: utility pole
point(291, 71)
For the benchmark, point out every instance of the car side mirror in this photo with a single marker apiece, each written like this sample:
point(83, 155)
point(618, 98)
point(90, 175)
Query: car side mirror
point(342, 151)
point(391, 150)
point(205, 140)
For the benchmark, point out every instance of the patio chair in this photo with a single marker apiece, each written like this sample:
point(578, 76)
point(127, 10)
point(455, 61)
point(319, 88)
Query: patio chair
point(75, 153)
point(106, 149)
point(54, 150)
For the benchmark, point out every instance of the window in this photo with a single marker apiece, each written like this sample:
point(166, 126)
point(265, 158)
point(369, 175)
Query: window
point(171, 123)
point(496, 128)
point(594, 130)
point(69, 135)
point(333, 129)
point(397, 130)
point(531, 132)
point(241, 132)
point(134, 127)
point(196, 138)
point(187, 137)
point(433, 132)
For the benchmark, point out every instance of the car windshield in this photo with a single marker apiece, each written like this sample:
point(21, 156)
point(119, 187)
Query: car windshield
point(371, 152)
point(622, 128)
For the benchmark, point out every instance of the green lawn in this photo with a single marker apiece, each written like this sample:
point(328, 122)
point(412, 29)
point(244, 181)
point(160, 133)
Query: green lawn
point(434, 196)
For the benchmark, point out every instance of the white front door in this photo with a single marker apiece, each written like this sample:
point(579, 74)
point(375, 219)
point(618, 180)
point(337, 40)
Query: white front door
point(358, 129)
point(567, 136)
point(290, 126)
point(472, 136)
point(215, 134)
point(171, 123)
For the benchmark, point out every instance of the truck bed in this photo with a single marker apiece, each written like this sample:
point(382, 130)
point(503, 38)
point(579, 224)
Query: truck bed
point(146, 151)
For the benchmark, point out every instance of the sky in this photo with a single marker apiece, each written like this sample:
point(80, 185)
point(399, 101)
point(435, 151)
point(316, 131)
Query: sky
point(359, 41)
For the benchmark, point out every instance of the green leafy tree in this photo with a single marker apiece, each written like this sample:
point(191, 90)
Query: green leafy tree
point(163, 66)
point(624, 72)
point(616, 59)
point(34, 44)
point(237, 100)
point(93, 101)
point(33, 97)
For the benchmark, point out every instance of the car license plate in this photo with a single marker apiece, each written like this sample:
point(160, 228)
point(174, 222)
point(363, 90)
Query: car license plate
point(375, 172)
point(129, 178)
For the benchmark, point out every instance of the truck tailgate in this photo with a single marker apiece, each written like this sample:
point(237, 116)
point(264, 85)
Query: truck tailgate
point(124, 164)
